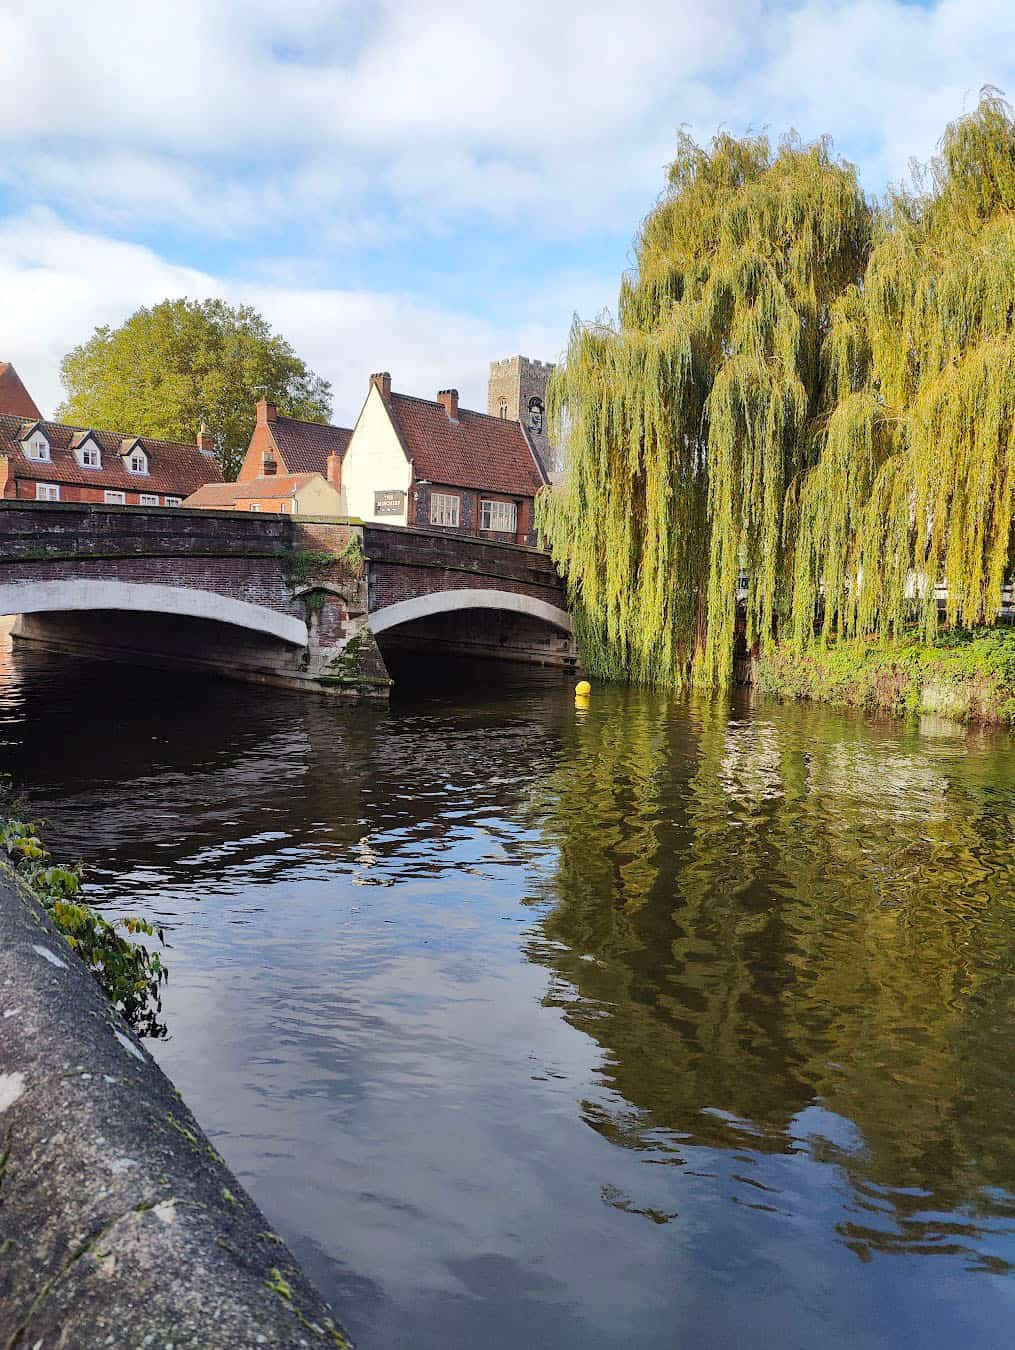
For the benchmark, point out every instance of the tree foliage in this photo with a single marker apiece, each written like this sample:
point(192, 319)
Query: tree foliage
point(169, 368)
point(800, 386)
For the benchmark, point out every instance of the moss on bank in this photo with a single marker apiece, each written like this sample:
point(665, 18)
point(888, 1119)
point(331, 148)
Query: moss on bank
point(966, 676)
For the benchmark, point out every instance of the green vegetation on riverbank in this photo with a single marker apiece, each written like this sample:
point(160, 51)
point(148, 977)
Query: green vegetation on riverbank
point(967, 676)
point(130, 974)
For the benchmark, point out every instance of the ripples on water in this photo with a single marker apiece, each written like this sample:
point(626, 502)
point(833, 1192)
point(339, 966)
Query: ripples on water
point(670, 1024)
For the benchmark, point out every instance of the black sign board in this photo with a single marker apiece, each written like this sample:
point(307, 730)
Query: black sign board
point(389, 503)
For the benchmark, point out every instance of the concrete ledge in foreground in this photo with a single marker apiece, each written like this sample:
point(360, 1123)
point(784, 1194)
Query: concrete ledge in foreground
point(119, 1223)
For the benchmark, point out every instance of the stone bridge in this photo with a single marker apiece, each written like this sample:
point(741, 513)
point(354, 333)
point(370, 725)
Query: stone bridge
point(291, 601)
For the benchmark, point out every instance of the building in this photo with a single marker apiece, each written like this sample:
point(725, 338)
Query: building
point(52, 462)
point(414, 461)
point(291, 467)
point(306, 494)
point(14, 397)
point(517, 391)
point(285, 445)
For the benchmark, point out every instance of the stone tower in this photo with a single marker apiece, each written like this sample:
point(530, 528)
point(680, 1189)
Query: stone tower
point(517, 390)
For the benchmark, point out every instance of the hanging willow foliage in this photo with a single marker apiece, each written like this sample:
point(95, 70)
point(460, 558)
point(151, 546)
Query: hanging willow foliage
point(799, 388)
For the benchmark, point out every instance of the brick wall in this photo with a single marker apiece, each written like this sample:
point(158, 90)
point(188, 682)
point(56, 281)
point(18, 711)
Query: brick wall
point(409, 563)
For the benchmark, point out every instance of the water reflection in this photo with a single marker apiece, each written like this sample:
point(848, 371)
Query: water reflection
point(792, 930)
point(666, 1023)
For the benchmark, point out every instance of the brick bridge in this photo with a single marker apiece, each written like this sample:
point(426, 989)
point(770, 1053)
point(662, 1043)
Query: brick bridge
point(291, 601)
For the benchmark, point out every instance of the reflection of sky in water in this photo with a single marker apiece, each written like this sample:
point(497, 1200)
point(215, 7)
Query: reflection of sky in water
point(648, 1028)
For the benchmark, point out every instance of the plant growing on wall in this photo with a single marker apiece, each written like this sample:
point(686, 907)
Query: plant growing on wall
point(129, 972)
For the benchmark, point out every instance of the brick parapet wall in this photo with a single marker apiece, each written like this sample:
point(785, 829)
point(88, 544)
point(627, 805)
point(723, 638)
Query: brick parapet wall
point(405, 563)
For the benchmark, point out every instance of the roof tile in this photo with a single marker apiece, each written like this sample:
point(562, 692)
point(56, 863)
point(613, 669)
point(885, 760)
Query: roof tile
point(492, 454)
point(172, 467)
point(305, 446)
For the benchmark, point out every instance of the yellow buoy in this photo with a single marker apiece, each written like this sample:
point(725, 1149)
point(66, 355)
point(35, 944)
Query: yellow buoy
point(582, 689)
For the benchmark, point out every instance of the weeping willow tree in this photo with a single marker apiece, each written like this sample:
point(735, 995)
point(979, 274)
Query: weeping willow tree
point(915, 481)
point(800, 389)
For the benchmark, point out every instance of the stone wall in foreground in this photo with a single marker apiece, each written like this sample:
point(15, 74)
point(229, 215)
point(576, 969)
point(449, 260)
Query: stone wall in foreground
point(120, 1225)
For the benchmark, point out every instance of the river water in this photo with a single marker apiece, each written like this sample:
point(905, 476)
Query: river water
point(676, 1023)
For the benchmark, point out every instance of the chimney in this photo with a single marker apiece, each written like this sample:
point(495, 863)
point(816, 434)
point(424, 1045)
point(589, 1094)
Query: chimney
point(382, 383)
point(206, 442)
point(335, 470)
point(266, 412)
point(449, 398)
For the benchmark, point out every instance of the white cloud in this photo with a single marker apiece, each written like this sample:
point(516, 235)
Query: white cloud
point(220, 114)
point(59, 283)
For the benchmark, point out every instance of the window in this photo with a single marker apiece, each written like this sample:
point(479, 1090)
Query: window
point(47, 492)
point(115, 498)
point(171, 501)
point(444, 509)
point(38, 448)
point(536, 415)
point(254, 506)
point(138, 462)
point(498, 516)
point(503, 407)
point(148, 499)
point(283, 507)
point(89, 457)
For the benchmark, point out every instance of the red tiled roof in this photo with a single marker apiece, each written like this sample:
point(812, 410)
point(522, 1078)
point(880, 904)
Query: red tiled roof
point(14, 397)
point(172, 467)
point(488, 453)
point(272, 487)
point(305, 446)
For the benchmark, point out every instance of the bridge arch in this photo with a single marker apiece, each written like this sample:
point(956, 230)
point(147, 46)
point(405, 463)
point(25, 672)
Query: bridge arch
point(93, 593)
point(447, 602)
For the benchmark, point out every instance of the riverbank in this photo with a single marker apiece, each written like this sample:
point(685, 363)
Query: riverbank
point(120, 1225)
point(967, 677)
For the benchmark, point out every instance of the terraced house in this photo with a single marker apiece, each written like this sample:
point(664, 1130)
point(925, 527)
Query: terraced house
point(417, 461)
point(53, 462)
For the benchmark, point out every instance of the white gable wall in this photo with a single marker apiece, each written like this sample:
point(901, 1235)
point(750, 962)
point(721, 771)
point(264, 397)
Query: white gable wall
point(374, 462)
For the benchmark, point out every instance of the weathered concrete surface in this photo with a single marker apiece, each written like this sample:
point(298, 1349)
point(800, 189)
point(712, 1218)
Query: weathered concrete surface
point(119, 1223)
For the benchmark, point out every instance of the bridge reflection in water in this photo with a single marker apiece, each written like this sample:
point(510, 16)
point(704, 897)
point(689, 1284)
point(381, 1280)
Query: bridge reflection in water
point(672, 1023)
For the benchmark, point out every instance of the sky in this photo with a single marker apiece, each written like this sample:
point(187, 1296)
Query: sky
point(422, 186)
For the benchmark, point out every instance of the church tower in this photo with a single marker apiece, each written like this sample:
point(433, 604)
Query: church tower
point(517, 390)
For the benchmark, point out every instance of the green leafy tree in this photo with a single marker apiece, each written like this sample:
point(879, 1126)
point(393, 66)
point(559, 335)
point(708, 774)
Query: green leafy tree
point(169, 368)
point(801, 386)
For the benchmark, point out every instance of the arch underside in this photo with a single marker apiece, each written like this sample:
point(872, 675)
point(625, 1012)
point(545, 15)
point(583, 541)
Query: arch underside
point(449, 602)
point(92, 593)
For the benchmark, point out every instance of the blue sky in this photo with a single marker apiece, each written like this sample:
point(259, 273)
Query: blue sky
point(421, 186)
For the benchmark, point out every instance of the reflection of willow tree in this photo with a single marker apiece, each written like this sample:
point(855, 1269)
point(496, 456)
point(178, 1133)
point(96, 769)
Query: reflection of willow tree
point(780, 913)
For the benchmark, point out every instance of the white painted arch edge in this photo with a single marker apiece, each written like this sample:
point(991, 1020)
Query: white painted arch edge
point(448, 602)
point(83, 593)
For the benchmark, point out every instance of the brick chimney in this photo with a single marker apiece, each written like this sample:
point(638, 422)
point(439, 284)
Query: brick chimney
point(382, 383)
point(335, 470)
point(266, 412)
point(449, 398)
point(206, 442)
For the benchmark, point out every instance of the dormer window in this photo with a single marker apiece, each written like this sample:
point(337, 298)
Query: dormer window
point(88, 454)
point(37, 447)
point(138, 461)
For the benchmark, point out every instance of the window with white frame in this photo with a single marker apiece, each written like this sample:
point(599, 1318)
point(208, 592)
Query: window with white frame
point(114, 498)
point(498, 516)
point(37, 447)
point(148, 499)
point(444, 509)
point(254, 506)
point(89, 456)
point(47, 492)
point(138, 461)
point(283, 507)
point(171, 501)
